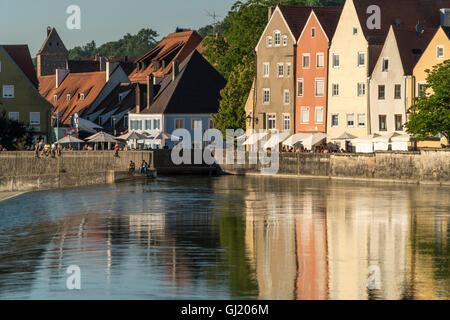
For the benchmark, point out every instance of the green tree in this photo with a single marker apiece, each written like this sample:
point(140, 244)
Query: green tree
point(231, 113)
point(430, 113)
point(14, 135)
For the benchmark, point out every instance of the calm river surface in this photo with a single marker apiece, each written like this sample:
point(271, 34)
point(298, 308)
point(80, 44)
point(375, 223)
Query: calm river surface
point(228, 238)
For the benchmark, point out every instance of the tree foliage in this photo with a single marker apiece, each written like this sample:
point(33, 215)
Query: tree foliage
point(232, 43)
point(430, 114)
point(132, 46)
point(14, 135)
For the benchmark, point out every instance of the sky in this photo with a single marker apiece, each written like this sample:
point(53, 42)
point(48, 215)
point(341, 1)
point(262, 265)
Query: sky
point(26, 21)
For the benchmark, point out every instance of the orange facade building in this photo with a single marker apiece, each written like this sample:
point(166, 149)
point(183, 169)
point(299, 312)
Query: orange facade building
point(312, 70)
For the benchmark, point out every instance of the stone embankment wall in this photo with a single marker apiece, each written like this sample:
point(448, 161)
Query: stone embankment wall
point(430, 166)
point(21, 171)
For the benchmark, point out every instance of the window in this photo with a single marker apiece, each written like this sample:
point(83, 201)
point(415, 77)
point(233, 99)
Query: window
point(277, 38)
point(320, 87)
point(299, 87)
point(68, 98)
point(271, 121)
point(350, 120)
point(13, 116)
point(320, 60)
point(385, 66)
point(398, 91)
point(288, 69)
point(269, 41)
point(381, 92)
point(157, 124)
point(179, 123)
point(286, 96)
point(82, 96)
point(8, 92)
point(361, 59)
point(280, 70)
point(306, 60)
point(421, 90)
point(355, 31)
point(361, 89)
point(147, 124)
point(285, 41)
point(361, 120)
point(55, 98)
point(266, 96)
point(319, 115)
point(286, 122)
point(196, 124)
point(335, 89)
point(440, 52)
point(335, 120)
point(382, 122)
point(398, 122)
point(336, 60)
point(313, 32)
point(35, 118)
point(266, 69)
point(304, 115)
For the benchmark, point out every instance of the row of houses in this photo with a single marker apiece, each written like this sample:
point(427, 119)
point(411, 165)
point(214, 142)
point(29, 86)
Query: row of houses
point(171, 86)
point(328, 70)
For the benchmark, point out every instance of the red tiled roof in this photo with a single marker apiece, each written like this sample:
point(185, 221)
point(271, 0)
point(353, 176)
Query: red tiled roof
point(90, 84)
point(411, 45)
point(177, 45)
point(21, 56)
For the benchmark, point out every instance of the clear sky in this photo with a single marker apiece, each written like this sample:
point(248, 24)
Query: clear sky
point(25, 21)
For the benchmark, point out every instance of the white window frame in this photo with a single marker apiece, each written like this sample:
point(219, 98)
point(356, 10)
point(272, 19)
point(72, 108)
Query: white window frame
point(420, 83)
point(309, 60)
point(12, 91)
point(277, 36)
point(68, 97)
point(338, 55)
point(269, 41)
point(82, 97)
point(383, 69)
point(437, 52)
point(35, 123)
point(266, 65)
point(286, 119)
point(357, 120)
point(315, 114)
point(175, 123)
point(285, 40)
point(280, 75)
point(195, 120)
point(359, 62)
point(331, 120)
point(335, 93)
point(12, 116)
point(286, 91)
point(302, 120)
point(320, 54)
point(395, 91)
point(316, 80)
point(288, 69)
point(264, 90)
point(300, 94)
point(346, 120)
point(269, 118)
point(361, 89)
point(55, 98)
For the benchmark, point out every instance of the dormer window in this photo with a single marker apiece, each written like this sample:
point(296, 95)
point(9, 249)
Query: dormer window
point(55, 98)
point(68, 98)
point(277, 38)
point(82, 96)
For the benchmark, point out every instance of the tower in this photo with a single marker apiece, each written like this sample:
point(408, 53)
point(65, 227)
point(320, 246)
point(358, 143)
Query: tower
point(52, 55)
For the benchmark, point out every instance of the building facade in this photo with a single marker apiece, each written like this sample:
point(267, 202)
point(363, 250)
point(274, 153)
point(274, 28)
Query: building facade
point(52, 55)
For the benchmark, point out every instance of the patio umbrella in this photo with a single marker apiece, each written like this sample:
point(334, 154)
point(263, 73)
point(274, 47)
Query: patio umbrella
point(101, 137)
point(133, 135)
point(254, 138)
point(292, 140)
point(163, 136)
point(345, 136)
point(313, 139)
point(69, 139)
point(275, 139)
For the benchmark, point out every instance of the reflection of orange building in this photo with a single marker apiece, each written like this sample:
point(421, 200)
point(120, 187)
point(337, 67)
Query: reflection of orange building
point(311, 238)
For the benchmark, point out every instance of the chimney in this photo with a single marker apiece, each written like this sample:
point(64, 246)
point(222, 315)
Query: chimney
point(150, 91)
point(271, 10)
point(138, 98)
point(445, 17)
point(61, 74)
point(175, 69)
point(110, 67)
point(49, 29)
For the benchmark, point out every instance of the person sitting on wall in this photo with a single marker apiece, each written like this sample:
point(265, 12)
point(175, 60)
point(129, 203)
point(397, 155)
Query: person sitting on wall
point(116, 150)
point(132, 167)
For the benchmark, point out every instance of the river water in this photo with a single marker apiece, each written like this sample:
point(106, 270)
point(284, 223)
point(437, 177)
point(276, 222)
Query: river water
point(228, 238)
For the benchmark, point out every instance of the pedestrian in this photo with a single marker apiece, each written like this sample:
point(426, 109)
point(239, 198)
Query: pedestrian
point(143, 168)
point(132, 167)
point(116, 150)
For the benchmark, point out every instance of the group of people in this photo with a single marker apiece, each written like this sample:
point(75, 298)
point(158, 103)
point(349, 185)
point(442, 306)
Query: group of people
point(2, 148)
point(143, 169)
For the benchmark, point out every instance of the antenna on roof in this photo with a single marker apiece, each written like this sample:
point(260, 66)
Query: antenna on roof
point(215, 17)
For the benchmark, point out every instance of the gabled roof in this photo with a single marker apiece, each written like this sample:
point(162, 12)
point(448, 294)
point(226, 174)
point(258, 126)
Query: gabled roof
point(196, 89)
point(90, 84)
point(411, 45)
point(177, 45)
point(112, 102)
point(53, 38)
point(328, 18)
point(21, 56)
point(447, 31)
point(410, 12)
point(296, 17)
